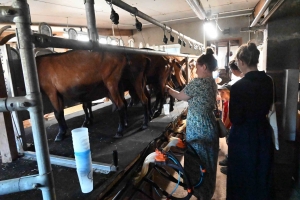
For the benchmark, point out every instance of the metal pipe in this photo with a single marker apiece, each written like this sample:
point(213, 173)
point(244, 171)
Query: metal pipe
point(17, 103)
point(4, 28)
point(91, 19)
point(44, 41)
point(142, 15)
point(70, 162)
point(234, 11)
point(32, 87)
point(7, 14)
point(260, 13)
point(197, 8)
point(22, 184)
point(271, 12)
point(229, 16)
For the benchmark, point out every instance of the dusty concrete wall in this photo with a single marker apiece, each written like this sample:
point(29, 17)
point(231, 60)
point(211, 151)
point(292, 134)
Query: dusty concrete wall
point(194, 30)
point(283, 52)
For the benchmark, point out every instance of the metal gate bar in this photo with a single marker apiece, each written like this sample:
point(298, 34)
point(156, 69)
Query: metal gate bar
point(19, 13)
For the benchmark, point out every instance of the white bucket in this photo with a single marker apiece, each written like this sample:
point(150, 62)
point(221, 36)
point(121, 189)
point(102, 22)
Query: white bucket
point(81, 145)
point(166, 109)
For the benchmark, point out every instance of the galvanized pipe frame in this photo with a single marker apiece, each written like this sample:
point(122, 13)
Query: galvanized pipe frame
point(142, 15)
point(24, 183)
point(91, 19)
point(44, 41)
point(10, 104)
point(20, 15)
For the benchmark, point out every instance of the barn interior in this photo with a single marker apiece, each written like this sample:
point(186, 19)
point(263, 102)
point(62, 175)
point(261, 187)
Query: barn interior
point(34, 166)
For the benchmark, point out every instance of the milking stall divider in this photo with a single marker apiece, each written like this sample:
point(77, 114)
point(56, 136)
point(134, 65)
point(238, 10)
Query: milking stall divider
point(19, 13)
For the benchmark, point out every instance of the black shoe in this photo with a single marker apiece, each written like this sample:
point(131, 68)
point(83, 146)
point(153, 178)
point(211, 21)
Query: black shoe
point(223, 170)
point(224, 162)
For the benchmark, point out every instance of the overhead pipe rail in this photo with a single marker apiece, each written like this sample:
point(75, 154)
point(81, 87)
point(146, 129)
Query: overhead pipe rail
point(260, 13)
point(44, 41)
point(142, 15)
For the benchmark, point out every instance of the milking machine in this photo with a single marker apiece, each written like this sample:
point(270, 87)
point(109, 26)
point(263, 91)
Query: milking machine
point(160, 172)
point(161, 161)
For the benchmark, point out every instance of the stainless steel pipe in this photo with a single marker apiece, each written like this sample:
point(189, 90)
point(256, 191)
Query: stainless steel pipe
point(142, 15)
point(44, 41)
point(21, 16)
point(22, 184)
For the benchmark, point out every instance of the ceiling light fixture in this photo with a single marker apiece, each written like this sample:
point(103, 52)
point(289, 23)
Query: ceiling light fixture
point(113, 15)
point(179, 40)
point(165, 39)
point(190, 43)
point(138, 24)
point(210, 29)
point(171, 36)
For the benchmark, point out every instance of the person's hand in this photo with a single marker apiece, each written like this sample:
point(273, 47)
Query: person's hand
point(167, 88)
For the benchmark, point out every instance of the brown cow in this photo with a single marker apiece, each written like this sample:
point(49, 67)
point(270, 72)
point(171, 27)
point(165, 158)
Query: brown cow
point(85, 76)
point(158, 74)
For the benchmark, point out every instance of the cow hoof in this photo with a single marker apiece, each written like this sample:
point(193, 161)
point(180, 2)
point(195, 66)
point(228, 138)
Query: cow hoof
point(87, 124)
point(60, 137)
point(156, 114)
point(118, 135)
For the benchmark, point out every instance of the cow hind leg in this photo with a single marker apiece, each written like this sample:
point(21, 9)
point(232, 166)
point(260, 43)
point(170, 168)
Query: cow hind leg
point(147, 93)
point(59, 115)
point(159, 105)
point(87, 108)
point(116, 98)
point(142, 94)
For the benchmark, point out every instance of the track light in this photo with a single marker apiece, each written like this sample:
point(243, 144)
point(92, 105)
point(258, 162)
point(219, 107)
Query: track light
point(138, 24)
point(179, 40)
point(183, 43)
point(191, 45)
point(165, 39)
point(171, 38)
point(114, 16)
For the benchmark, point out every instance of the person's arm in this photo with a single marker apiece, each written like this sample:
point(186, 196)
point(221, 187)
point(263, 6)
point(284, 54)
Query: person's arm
point(227, 121)
point(178, 95)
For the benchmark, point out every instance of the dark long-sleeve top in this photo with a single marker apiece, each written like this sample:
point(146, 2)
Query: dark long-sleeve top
point(251, 97)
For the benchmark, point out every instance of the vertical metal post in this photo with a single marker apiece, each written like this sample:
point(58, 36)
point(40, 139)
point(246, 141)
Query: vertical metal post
point(290, 103)
point(24, 33)
point(10, 78)
point(91, 19)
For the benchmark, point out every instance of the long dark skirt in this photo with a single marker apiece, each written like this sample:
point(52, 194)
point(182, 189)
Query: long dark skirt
point(250, 158)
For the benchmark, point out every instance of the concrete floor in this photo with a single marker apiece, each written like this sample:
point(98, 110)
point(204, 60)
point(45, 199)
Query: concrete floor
point(129, 148)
